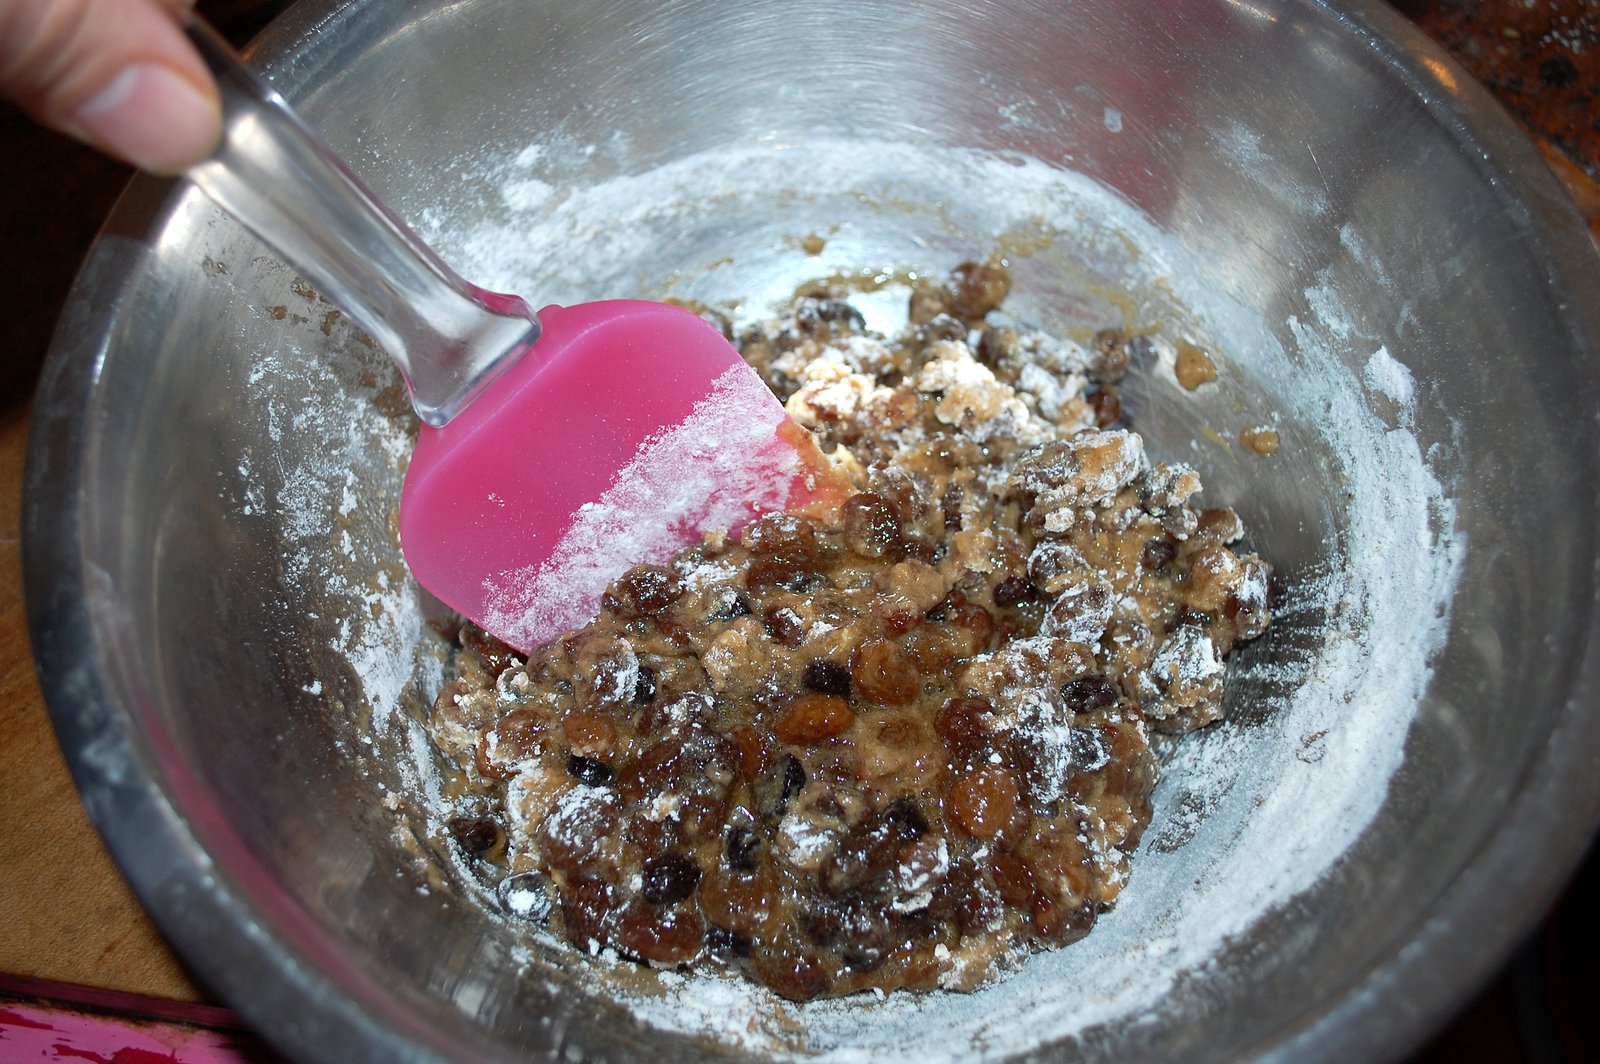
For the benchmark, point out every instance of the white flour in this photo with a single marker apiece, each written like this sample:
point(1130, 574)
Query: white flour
point(1248, 816)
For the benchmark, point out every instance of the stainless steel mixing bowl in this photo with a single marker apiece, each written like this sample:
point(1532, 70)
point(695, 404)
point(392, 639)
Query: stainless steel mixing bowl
point(236, 661)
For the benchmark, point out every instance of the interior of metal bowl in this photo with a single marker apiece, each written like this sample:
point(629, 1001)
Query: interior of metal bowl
point(237, 660)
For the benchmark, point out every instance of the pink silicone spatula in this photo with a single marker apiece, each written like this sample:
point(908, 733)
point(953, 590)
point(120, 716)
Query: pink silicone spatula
point(558, 449)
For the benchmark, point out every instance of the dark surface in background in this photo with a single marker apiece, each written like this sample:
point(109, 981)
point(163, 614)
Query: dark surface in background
point(1541, 59)
point(53, 197)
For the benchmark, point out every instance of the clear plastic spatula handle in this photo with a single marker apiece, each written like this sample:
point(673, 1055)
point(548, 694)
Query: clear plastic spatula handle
point(278, 178)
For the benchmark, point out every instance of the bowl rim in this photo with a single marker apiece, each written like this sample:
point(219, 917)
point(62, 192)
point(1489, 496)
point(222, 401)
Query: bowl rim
point(305, 1012)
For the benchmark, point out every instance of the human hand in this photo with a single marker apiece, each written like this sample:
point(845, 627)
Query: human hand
point(117, 74)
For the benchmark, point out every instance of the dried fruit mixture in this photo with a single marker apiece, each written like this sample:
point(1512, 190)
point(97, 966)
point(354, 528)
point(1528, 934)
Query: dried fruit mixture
point(899, 744)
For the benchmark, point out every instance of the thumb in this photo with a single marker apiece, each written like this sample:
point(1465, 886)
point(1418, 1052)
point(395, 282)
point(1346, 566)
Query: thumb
point(117, 74)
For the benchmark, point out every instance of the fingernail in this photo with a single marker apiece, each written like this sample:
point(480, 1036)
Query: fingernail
point(152, 117)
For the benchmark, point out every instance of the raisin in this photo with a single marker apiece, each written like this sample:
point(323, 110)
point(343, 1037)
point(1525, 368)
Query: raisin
point(1058, 923)
point(994, 345)
point(960, 724)
point(497, 656)
point(899, 733)
point(827, 677)
point(590, 735)
point(920, 969)
point(785, 627)
point(571, 839)
point(942, 327)
point(478, 836)
point(905, 819)
point(932, 647)
point(662, 936)
point(726, 945)
point(785, 552)
point(752, 751)
point(1112, 354)
point(983, 803)
point(903, 492)
point(922, 863)
point(866, 935)
point(644, 688)
point(661, 765)
point(518, 736)
point(929, 300)
point(1081, 613)
point(1013, 591)
point(586, 908)
point(778, 786)
point(742, 903)
point(865, 858)
point(884, 673)
point(965, 896)
point(703, 812)
point(812, 718)
point(1158, 554)
point(743, 847)
point(1088, 750)
point(604, 669)
point(982, 910)
point(1129, 765)
point(958, 881)
point(974, 623)
point(783, 538)
point(588, 771)
point(774, 572)
point(1027, 753)
point(979, 288)
point(820, 922)
point(896, 619)
point(643, 591)
point(915, 548)
point(794, 776)
point(1052, 566)
point(649, 836)
point(871, 525)
point(1558, 72)
point(1106, 406)
point(669, 878)
point(950, 504)
point(1090, 693)
point(812, 315)
point(690, 760)
point(792, 971)
point(1013, 877)
point(730, 606)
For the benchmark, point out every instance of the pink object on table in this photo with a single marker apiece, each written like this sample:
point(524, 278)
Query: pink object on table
point(629, 429)
point(56, 1022)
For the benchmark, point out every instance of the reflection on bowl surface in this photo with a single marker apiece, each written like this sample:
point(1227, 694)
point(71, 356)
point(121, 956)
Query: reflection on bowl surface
point(236, 657)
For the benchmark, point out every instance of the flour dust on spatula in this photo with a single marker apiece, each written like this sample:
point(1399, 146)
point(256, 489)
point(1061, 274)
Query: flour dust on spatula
point(728, 462)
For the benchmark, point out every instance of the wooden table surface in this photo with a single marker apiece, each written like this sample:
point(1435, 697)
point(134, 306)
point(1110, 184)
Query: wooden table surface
point(65, 913)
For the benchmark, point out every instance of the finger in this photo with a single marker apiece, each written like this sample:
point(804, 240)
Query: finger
point(119, 74)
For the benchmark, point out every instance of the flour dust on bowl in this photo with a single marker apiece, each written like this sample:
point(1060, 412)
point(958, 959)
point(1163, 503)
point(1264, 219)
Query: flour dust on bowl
point(239, 665)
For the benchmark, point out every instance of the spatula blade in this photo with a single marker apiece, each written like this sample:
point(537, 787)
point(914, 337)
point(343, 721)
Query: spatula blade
point(630, 429)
